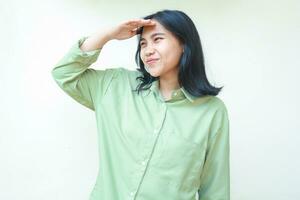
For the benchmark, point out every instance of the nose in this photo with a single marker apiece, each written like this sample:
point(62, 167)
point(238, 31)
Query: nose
point(149, 50)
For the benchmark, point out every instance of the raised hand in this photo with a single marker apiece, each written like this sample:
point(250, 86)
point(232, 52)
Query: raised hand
point(129, 28)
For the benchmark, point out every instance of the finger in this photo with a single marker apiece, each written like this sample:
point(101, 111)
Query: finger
point(149, 24)
point(135, 29)
point(133, 32)
point(146, 22)
point(140, 23)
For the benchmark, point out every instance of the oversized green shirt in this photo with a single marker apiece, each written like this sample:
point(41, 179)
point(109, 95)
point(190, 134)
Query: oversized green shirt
point(149, 148)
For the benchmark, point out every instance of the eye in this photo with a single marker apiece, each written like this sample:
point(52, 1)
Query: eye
point(142, 43)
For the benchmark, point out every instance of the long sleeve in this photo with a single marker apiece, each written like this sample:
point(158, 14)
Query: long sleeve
point(215, 178)
point(85, 85)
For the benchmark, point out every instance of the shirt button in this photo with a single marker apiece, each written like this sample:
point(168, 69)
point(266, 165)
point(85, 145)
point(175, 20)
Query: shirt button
point(131, 193)
point(144, 162)
point(175, 93)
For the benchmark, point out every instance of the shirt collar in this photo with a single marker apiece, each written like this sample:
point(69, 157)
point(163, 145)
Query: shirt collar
point(177, 94)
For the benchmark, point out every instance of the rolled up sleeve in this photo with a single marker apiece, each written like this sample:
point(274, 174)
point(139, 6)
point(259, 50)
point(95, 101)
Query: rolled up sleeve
point(73, 75)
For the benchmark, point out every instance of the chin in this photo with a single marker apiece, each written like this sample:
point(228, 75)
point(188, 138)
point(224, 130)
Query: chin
point(154, 73)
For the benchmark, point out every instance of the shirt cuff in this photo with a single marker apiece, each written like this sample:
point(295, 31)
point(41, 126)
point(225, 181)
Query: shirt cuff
point(86, 57)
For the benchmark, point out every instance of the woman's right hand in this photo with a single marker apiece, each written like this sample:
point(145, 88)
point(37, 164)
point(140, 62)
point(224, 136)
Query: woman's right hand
point(129, 28)
point(123, 31)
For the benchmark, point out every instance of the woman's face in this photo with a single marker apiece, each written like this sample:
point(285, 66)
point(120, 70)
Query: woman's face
point(161, 45)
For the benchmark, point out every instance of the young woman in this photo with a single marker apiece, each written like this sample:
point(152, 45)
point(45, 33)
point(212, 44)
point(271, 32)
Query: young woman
point(162, 132)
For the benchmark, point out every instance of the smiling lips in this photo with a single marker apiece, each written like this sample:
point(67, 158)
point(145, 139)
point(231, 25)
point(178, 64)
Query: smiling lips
point(150, 61)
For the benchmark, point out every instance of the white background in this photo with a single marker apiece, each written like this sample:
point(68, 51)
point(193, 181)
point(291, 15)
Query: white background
point(48, 142)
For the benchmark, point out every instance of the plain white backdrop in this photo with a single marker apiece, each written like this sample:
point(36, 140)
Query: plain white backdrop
point(48, 148)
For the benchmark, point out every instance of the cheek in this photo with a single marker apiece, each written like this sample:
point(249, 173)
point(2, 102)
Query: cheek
point(142, 56)
point(171, 56)
point(168, 51)
point(176, 52)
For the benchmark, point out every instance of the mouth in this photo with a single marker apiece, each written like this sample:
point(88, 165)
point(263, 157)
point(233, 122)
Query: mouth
point(152, 61)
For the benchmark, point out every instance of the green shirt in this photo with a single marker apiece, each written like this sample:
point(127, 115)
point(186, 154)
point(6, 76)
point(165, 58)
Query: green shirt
point(149, 148)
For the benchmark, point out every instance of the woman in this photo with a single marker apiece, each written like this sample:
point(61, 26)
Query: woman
point(162, 132)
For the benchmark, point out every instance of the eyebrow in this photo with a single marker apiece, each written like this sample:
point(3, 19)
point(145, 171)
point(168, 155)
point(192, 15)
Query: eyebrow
point(153, 35)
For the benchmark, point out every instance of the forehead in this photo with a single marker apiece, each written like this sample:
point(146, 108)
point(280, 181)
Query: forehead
point(151, 31)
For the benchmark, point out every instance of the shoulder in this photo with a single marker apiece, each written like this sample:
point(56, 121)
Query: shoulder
point(220, 112)
point(130, 76)
point(119, 72)
point(216, 104)
point(123, 78)
point(130, 73)
point(213, 103)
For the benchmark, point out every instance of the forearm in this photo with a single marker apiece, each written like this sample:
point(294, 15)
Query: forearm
point(96, 40)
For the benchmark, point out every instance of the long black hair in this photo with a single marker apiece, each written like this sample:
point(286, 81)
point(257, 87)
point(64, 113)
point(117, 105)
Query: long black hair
point(191, 73)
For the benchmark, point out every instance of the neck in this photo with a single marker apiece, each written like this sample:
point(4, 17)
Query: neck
point(168, 85)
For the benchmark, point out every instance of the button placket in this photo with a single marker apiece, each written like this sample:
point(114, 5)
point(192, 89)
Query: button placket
point(143, 164)
point(156, 130)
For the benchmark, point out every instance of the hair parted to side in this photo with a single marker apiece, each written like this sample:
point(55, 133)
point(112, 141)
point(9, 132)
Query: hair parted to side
point(191, 73)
